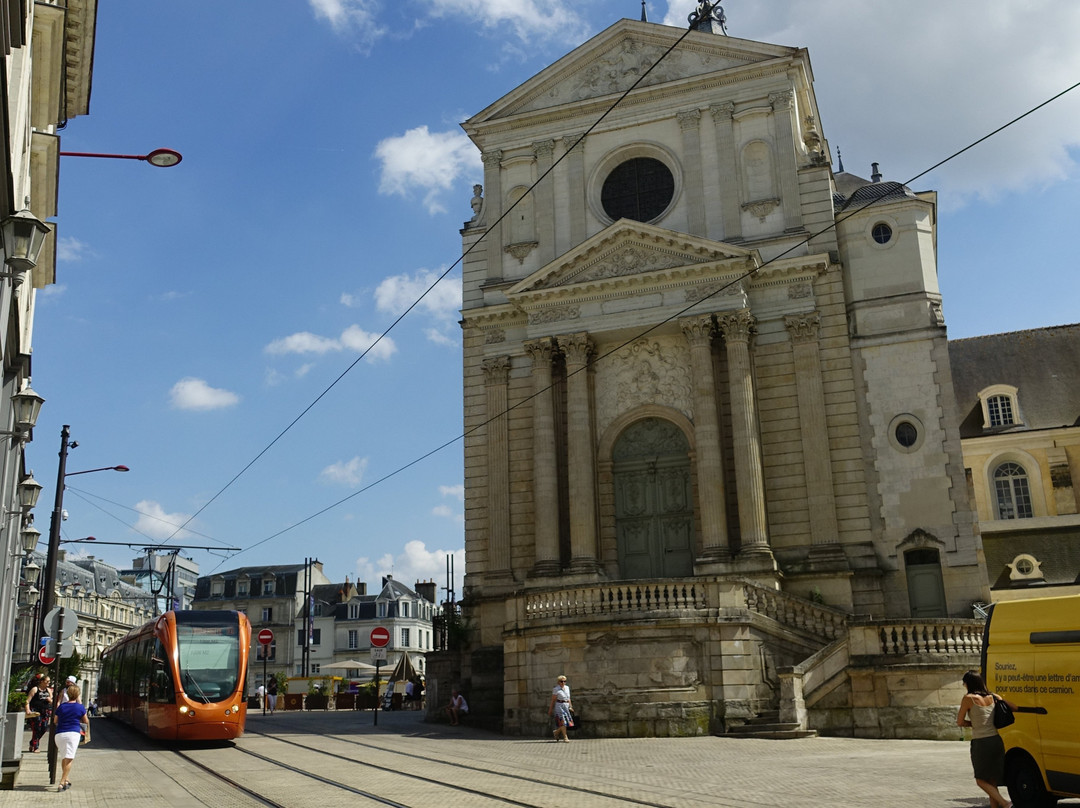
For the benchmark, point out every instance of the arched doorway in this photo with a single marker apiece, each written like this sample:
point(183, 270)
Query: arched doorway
point(654, 511)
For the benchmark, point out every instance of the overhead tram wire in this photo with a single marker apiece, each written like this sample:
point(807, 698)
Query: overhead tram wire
point(435, 283)
point(869, 201)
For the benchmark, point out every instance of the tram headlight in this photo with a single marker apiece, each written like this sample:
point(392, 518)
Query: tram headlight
point(183, 709)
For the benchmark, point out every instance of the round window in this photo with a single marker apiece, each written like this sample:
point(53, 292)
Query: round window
point(906, 434)
point(881, 233)
point(640, 189)
point(1024, 566)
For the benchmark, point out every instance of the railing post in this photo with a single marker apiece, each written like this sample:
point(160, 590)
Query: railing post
point(792, 702)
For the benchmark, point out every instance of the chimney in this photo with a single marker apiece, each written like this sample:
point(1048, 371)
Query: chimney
point(426, 590)
point(876, 175)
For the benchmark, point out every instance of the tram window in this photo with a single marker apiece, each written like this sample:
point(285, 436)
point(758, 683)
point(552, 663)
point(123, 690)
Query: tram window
point(161, 682)
point(208, 657)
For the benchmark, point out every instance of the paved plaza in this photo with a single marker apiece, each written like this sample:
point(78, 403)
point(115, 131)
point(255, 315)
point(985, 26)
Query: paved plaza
point(120, 768)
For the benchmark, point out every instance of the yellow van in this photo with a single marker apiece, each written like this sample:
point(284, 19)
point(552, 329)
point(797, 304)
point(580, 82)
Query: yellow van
point(1031, 656)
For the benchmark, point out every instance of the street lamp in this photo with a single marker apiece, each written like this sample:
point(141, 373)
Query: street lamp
point(162, 158)
point(48, 594)
point(24, 235)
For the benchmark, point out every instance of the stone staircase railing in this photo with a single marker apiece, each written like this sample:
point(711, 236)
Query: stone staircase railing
point(794, 612)
point(622, 597)
point(939, 636)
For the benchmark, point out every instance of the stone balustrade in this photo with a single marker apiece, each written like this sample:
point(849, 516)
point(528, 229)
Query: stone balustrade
point(916, 637)
point(794, 612)
point(623, 597)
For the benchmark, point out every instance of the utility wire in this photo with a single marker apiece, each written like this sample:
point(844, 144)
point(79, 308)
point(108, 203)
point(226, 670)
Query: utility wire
point(696, 305)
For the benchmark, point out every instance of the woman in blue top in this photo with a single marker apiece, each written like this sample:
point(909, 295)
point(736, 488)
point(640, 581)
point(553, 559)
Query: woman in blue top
point(70, 719)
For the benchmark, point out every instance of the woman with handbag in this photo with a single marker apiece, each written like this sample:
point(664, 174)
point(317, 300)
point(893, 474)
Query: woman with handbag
point(39, 708)
point(562, 708)
point(987, 749)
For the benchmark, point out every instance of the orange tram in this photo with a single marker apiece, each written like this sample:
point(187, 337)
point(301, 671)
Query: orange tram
point(180, 677)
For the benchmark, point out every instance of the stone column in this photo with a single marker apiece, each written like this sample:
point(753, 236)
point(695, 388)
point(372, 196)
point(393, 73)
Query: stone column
point(581, 460)
point(545, 200)
point(810, 391)
point(575, 168)
point(709, 457)
point(749, 476)
point(787, 164)
point(690, 124)
point(729, 172)
point(496, 376)
point(545, 470)
point(493, 209)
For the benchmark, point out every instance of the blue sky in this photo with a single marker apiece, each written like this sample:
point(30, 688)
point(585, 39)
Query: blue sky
point(200, 309)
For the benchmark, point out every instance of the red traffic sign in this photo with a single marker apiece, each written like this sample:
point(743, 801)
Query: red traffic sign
point(380, 637)
point(44, 658)
point(266, 636)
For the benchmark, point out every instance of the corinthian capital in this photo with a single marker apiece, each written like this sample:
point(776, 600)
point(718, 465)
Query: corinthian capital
point(541, 351)
point(698, 330)
point(737, 326)
point(496, 370)
point(492, 159)
point(803, 327)
point(577, 348)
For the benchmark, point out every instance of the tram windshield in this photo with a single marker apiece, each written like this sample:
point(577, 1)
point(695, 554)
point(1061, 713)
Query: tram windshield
point(209, 654)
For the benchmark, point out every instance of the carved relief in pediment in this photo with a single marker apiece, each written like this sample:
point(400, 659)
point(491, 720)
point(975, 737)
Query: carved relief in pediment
point(650, 371)
point(615, 70)
point(630, 259)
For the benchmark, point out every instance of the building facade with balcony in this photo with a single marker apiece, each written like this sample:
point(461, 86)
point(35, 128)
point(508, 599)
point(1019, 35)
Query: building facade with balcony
point(709, 415)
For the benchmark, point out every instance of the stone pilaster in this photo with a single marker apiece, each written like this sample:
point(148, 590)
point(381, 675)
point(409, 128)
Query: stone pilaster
point(690, 124)
point(496, 376)
point(545, 200)
point(785, 153)
point(738, 329)
point(545, 469)
point(709, 456)
point(729, 173)
point(581, 460)
point(817, 465)
point(493, 210)
point(575, 169)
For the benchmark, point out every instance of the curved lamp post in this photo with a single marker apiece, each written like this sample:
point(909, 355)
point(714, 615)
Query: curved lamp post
point(162, 158)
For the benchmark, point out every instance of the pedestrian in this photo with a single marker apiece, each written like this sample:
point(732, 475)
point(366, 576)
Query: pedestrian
point(260, 694)
point(562, 708)
point(71, 722)
point(271, 694)
point(457, 707)
point(71, 680)
point(39, 706)
point(987, 748)
point(409, 694)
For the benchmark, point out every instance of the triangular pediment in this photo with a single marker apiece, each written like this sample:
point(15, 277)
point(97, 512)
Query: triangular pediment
point(610, 62)
point(629, 249)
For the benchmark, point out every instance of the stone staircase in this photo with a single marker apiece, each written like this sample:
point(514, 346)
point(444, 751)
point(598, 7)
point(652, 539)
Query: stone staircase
point(768, 725)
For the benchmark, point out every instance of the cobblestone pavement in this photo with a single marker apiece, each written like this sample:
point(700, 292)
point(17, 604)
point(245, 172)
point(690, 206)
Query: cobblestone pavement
point(120, 768)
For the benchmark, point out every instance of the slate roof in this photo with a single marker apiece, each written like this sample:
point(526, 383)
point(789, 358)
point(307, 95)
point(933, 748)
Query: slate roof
point(853, 191)
point(1043, 364)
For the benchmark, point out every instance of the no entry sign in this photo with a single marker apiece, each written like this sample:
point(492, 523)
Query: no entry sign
point(44, 658)
point(380, 637)
point(266, 636)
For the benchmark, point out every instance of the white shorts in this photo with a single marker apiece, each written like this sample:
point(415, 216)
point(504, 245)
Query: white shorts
point(67, 743)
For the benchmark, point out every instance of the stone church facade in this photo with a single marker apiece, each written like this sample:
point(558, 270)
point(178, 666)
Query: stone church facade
point(709, 414)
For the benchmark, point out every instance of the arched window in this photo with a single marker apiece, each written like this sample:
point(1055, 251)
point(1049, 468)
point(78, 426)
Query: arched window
point(1012, 492)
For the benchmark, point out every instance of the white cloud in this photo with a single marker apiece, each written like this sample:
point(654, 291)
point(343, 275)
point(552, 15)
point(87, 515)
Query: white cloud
point(351, 17)
point(454, 514)
point(350, 472)
point(396, 293)
point(906, 85)
point(154, 521)
point(70, 249)
point(529, 19)
point(455, 491)
point(426, 162)
point(348, 300)
point(414, 563)
point(353, 338)
point(195, 394)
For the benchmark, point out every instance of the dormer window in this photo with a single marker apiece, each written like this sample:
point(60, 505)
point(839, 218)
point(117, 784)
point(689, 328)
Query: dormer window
point(1000, 406)
point(268, 586)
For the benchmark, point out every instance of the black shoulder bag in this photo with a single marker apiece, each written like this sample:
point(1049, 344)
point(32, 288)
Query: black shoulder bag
point(1003, 714)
